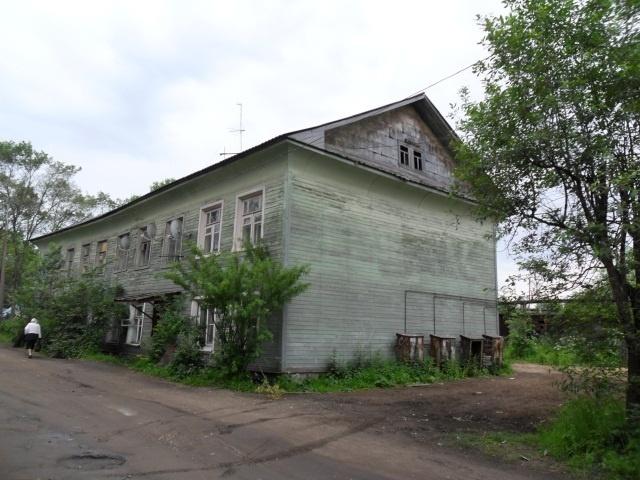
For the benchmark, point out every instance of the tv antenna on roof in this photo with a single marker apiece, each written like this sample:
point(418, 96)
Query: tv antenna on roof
point(239, 131)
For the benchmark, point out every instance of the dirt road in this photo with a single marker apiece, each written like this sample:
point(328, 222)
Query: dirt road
point(82, 420)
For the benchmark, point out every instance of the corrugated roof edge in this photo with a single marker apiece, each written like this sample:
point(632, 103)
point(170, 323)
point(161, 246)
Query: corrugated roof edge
point(169, 186)
point(268, 143)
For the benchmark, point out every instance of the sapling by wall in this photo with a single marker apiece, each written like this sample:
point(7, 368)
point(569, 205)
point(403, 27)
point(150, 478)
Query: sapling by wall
point(243, 290)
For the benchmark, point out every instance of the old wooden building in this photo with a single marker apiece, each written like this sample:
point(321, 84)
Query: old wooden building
point(366, 201)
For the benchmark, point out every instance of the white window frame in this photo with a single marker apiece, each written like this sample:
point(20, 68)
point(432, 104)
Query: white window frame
point(135, 321)
point(210, 319)
point(202, 226)
point(418, 159)
point(404, 149)
point(166, 241)
point(237, 228)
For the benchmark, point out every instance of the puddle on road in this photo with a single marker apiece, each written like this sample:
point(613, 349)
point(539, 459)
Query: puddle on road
point(127, 412)
point(92, 461)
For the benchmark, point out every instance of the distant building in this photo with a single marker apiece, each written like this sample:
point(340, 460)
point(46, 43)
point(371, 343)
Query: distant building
point(366, 201)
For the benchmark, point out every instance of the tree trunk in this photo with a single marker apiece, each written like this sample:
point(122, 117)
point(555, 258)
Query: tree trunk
point(3, 263)
point(633, 386)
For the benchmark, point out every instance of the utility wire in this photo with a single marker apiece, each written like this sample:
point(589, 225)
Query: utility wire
point(450, 76)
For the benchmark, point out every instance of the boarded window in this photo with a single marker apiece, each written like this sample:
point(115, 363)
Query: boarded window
point(84, 257)
point(101, 253)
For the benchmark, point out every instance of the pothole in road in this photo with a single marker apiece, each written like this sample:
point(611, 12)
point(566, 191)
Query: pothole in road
point(92, 461)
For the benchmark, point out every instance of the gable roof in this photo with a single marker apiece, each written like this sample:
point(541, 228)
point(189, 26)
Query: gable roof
point(427, 111)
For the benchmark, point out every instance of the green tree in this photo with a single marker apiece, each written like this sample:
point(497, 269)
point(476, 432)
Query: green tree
point(75, 312)
point(160, 183)
point(244, 289)
point(552, 151)
point(37, 195)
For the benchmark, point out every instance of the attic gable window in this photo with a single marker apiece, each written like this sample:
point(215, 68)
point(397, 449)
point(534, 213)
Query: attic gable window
point(410, 156)
point(417, 160)
point(404, 155)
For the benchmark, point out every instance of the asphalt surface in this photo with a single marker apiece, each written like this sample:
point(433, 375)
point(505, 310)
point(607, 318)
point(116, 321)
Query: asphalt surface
point(67, 420)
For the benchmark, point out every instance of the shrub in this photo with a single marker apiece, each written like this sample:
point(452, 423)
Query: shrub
point(519, 342)
point(11, 330)
point(171, 322)
point(590, 432)
point(74, 311)
point(245, 289)
point(187, 359)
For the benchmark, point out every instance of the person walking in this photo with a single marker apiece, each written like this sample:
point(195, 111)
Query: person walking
point(32, 333)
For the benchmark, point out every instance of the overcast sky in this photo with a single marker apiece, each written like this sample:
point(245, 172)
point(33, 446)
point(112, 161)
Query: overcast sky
point(136, 91)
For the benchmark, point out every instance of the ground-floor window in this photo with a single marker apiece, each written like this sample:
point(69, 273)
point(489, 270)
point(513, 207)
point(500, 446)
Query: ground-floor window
point(205, 318)
point(135, 323)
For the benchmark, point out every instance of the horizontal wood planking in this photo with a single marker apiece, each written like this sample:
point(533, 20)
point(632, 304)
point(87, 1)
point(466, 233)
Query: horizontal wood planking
point(265, 169)
point(368, 239)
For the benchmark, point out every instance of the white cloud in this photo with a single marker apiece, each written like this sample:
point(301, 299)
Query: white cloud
point(138, 91)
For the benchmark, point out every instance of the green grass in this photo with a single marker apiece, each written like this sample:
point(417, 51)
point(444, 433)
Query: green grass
point(587, 435)
point(376, 373)
point(545, 353)
point(590, 434)
point(379, 373)
point(207, 377)
point(509, 446)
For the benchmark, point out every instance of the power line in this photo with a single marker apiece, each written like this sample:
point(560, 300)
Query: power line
point(450, 76)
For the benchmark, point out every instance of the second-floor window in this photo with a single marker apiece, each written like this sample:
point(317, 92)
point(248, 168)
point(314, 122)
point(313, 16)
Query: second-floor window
point(71, 252)
point(250, 218)
point(122, 251)
point(209, 229)
point(172, 247)
point(101, 253)
point(144, 247)
point(84, 257)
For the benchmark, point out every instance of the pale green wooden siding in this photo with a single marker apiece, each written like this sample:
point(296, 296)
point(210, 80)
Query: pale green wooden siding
point(368, 240)
point(266, 169)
